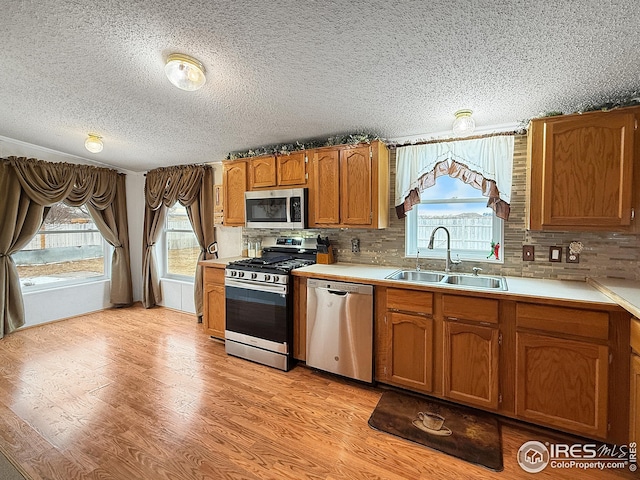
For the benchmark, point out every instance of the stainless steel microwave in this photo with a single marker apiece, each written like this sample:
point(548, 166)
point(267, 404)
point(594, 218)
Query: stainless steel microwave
point(276, 208)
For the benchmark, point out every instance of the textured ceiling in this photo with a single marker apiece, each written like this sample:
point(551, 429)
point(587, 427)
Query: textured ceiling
point(281, 71)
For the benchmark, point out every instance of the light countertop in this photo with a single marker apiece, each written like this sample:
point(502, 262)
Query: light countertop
point(611, 292)
point(625, 293)
point(567, 290)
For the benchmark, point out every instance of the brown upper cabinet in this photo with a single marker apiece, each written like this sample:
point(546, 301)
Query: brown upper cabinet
point(278, 171)
point(235, 184)
point(262, 172)
point(349, 186)
point(580, 170)
point(292, 169)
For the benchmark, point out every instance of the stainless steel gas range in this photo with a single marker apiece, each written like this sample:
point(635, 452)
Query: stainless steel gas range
point(259, 301)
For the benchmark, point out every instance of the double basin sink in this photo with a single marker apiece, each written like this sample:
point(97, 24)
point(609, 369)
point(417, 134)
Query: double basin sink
point(459, 279)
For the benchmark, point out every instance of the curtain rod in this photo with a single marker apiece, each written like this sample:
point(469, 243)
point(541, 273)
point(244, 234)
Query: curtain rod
point(447, 140)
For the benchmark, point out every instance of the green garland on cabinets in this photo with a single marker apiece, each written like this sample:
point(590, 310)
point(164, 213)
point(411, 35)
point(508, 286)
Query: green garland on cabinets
point(288, 148)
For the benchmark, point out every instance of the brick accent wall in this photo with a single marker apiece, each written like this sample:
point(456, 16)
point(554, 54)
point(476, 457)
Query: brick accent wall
point(604, 255)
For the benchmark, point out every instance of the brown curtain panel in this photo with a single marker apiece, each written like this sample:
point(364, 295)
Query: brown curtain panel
point(153, 221)
point(200, 214)
point(35, 184)
point(192, 186)
point(113, 225)
point(20, 219)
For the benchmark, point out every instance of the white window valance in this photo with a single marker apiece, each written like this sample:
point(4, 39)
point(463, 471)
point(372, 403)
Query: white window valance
point(485, 163)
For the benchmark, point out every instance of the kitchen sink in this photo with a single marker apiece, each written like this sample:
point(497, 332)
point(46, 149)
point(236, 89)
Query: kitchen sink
point(462, 280)
point(417, 276)
point(476, 281)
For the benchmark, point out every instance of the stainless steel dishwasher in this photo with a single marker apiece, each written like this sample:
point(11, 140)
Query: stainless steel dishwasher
point(340, 328)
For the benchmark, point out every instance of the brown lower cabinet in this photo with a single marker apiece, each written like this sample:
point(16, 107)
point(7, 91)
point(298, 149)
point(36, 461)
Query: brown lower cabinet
point(213, 307)
point(411, 347)
point(558, 364)
point(634, 407)
point(471, 364)
point(562, 383)
point(471, 350)
point(634, 417)
point(405, 356)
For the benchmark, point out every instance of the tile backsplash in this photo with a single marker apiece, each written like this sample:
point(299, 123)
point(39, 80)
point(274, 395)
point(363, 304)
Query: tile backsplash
point(605, 254)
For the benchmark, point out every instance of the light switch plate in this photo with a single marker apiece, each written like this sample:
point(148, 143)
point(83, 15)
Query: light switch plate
point(528, 253)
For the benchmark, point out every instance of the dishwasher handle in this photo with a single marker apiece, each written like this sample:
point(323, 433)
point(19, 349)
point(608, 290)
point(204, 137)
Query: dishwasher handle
point(337, 292)
point(339, 288)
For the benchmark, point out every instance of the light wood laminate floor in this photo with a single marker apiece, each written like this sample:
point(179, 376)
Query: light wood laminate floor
point(145, 394)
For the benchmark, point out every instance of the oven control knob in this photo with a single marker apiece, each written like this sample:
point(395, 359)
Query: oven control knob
point(232, 273)
point(254, 276)
point(267, 278)
point(241, 274)
point(276, 279)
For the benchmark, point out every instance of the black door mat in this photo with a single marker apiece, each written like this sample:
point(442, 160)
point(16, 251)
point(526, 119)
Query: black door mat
point(463, 432)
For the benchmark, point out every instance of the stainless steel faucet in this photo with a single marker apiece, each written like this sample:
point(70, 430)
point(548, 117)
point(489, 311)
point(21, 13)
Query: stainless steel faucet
point(417, 260)
point(448, 262)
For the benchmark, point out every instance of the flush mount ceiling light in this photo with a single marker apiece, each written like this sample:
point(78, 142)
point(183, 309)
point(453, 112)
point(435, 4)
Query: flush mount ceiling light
point(185, 72)
point(463, 125)
point(93, 143)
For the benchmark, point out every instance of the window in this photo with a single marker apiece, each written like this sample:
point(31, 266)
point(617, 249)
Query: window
point(67, 249)
point(182, 248)
point(462, 210)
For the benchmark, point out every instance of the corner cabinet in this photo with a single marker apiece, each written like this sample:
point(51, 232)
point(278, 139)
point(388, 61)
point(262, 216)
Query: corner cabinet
point(235, 184)
point(213, 317)
point(471, 350)
point(349, 186)
point(580, 171)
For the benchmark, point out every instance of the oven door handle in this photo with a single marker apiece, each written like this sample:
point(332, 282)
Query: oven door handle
point(259, 287)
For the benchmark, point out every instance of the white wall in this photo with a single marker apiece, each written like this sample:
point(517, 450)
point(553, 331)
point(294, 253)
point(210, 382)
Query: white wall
point(135, 217)
point(58, 303)
point(178, 295)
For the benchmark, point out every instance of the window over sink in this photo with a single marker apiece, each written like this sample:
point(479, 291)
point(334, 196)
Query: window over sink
point(463, 210)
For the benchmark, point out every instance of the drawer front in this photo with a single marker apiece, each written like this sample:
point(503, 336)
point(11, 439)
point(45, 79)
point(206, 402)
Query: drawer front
point(410, 301)
point(571, 321)
point(213, 275)
point(635, 335)
point(457, 307)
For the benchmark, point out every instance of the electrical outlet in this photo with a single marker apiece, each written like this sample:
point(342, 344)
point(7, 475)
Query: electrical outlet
point(355, 245)
point(528, 253)
point(572, 257)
